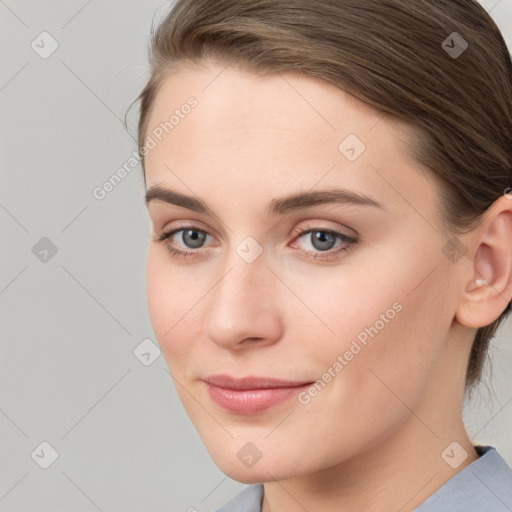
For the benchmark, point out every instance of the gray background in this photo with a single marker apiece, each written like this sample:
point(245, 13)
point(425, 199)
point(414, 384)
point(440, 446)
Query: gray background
point(70, 324)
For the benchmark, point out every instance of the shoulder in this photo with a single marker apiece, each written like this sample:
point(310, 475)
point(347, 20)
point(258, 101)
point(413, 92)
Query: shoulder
point(486, 484)
point(249, 500)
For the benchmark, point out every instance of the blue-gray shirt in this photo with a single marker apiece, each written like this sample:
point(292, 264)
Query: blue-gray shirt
point(483, 485)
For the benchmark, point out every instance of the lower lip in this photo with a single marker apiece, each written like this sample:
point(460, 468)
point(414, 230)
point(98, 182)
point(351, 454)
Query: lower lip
point(251, 401)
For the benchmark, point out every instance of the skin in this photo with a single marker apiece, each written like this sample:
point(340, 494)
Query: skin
point(373, 437)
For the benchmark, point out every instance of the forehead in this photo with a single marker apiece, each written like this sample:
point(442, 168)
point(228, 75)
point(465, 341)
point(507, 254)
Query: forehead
point(274, 113)
point(246, 100)
point(249, 130)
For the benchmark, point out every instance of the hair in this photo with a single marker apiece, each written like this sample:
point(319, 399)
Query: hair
point(390, 54)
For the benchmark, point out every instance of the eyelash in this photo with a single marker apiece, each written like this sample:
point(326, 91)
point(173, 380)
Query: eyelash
point(318, 255)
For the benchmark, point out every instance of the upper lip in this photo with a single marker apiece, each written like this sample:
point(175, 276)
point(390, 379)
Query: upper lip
point(225, 381)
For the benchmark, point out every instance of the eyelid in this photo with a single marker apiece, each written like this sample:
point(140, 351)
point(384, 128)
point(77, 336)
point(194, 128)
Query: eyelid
point(187, 224)
point(192, 223)
point(319, 225)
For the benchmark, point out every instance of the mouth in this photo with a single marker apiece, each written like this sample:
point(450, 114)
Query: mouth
point(250, 395)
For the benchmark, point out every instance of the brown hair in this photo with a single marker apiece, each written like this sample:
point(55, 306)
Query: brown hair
point(391, 54)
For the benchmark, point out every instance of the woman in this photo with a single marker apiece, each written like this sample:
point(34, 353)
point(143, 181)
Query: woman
point(329, 189)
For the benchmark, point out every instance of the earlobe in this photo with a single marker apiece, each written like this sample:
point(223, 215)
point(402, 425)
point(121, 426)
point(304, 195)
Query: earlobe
point(489, 290)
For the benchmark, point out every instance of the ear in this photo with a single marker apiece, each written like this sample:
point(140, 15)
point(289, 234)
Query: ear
point(489, 290)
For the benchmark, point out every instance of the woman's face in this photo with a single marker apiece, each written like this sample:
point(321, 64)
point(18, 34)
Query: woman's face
point(355, 295)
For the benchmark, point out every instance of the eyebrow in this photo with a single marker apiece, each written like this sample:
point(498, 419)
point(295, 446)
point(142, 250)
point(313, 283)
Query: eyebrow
point(277, 206)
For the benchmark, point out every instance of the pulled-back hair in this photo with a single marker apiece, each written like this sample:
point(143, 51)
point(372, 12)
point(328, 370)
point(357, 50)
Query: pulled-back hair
point(394, 55)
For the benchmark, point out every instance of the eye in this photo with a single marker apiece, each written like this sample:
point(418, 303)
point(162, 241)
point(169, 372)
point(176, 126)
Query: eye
point(321, 242)
point(191, 236)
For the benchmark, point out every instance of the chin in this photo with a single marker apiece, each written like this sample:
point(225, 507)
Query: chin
point(246, 476)
point(276, 466)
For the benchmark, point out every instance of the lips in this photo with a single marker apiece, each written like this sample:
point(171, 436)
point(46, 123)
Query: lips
point(250, 395)
point(225, 381)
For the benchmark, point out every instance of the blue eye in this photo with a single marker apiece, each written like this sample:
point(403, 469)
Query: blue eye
point(191, 235)
point(194, 237)
point(321, 240)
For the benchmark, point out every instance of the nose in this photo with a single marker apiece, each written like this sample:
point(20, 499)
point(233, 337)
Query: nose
point(242, 308)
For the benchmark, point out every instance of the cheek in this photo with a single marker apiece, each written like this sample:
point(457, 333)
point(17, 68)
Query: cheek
point(383, 317)
point(389, 341)
point(170, 308)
